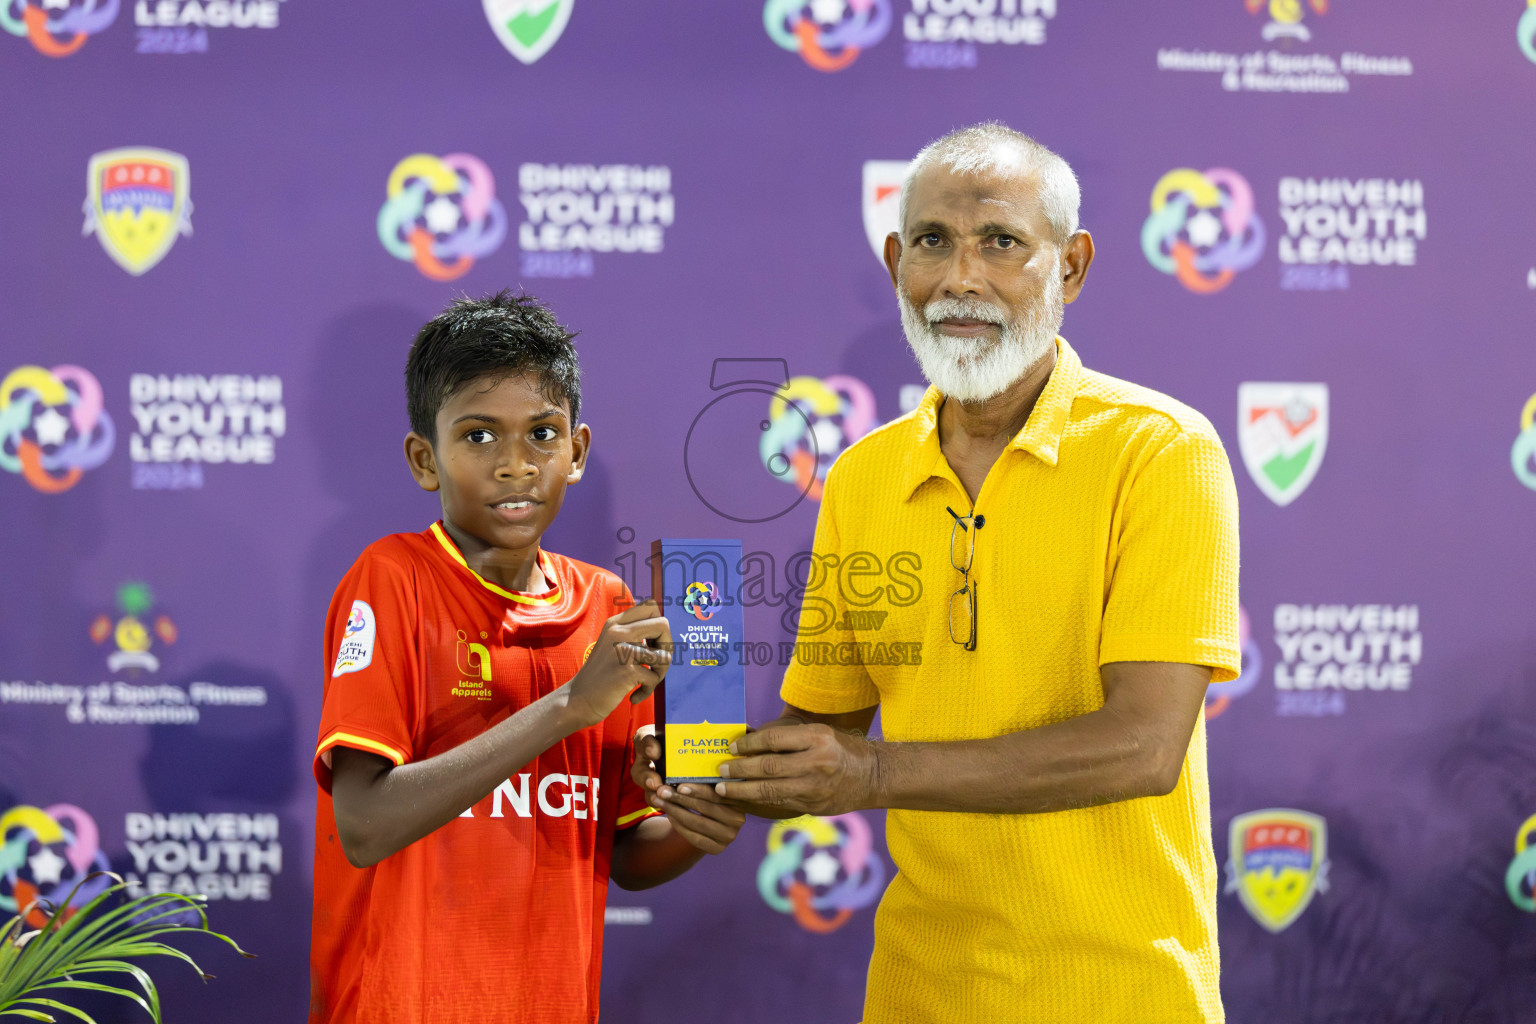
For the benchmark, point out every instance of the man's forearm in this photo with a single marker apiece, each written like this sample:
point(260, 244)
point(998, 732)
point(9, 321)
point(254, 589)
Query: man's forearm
point(1080, 762)
point(381, 809)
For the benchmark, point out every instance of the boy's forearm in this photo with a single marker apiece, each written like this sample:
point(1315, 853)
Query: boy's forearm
point(381, 809)
point(649, 854)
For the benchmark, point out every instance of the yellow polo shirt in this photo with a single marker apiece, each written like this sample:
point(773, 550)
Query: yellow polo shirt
point(1110, 535)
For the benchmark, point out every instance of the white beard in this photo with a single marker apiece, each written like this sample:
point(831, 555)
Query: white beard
point(973, 370)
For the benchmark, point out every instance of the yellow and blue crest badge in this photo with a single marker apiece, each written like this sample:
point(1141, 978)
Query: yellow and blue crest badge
point(1277, 861)
point(138, 202)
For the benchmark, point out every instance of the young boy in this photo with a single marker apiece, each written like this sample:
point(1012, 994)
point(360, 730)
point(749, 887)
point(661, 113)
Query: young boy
point(478, 725)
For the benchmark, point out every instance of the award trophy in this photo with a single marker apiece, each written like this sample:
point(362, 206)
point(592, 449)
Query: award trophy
point(701, 706)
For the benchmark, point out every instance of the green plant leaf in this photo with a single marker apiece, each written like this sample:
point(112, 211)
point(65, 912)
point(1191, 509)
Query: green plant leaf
point(29, 1014)
point(54, 1004)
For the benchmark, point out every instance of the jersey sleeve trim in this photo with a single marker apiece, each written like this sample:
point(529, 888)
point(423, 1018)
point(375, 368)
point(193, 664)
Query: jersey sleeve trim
point(637, 817)
point(340, 738)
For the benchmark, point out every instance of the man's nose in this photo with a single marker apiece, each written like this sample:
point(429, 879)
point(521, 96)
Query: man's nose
point(961, 274)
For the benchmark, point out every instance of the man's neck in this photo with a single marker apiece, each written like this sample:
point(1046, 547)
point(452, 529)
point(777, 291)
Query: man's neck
point(997, 420)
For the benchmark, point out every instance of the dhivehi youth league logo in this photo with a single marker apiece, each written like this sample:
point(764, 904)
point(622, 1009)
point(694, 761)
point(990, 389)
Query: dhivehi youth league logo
point(883, 182)
point(137, 202)
point(57, 28)
point(828, 35)
point(701, 600)
point(1282, 430)
point(1526, 31)
point(810, 422)
point(44, 853)
point(1277, 861)
point(1522, 457)
point(1202, 229)
point(1520, 876)
point(441, 213)
point(821, 870)
point(52, 425)
point(528, 28)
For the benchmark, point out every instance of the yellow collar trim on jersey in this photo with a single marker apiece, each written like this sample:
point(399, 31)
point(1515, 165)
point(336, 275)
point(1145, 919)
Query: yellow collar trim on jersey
point(511, 595)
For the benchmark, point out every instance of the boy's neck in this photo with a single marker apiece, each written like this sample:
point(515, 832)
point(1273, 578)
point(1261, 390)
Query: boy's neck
point(512, 569)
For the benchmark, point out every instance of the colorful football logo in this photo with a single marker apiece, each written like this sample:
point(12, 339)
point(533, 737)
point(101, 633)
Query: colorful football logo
point(52, 426)
point(1277, 861)
point(57, 33)
point(130, 635)
point(811, 421)
point(821, 870)
point(828, 34)
point(1219, 695)
point(1520, 878)
point(1522, 457)
point(1282, 431)
point(1202, 229)
point(528, 28)
point(1525, 31)
point(138, 201)
point(883, 182)
point(442, 214)
point(1285, 17)
point(44, 853)
point(701, 600)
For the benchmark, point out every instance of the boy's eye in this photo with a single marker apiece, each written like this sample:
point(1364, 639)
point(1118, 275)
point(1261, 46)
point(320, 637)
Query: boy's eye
point(479, 436)
point(545, 433)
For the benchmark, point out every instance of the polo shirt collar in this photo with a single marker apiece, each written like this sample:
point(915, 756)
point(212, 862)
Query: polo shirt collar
point(1041, 436)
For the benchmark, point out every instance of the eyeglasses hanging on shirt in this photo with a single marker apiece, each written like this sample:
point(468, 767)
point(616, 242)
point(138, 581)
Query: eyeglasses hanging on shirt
point(962, 603)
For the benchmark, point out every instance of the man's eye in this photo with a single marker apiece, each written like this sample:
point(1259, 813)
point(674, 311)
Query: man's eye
point(1006, 242)
point(479, 436)
point(930, 239)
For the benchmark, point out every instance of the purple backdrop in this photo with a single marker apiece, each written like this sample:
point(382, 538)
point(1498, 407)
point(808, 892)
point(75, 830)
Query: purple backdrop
point(685, 181)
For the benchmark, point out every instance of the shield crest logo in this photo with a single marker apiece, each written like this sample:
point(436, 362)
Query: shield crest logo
point(137, 202)
point(528, 28)
point(1277, 860)
point(1282, 430)
point(882, 200)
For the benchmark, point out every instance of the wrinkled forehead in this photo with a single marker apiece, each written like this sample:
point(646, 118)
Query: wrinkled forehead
point(1009, 194)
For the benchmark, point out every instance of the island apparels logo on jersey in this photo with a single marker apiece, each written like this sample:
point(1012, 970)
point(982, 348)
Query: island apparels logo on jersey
point(881, 200)
point(138, 202)
point(821, 870)
point(1202, 229)
point(528, 28)
point(811, 421)
point(474, 664)
point(57, 28)
point(441, 213)
point(1277, 860)
point(130, 634)
point(828, 35)
point(1282, 431)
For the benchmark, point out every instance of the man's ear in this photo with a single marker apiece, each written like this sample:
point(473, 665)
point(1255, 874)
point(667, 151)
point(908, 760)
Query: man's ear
point(422, 458)
point(892, 254)
point(581, 444)
point(1076, 258)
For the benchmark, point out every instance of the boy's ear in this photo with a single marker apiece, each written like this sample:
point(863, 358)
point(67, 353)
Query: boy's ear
point(581, 444)
point(420, 456)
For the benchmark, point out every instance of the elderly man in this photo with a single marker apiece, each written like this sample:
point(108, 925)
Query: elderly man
point(1044, 765)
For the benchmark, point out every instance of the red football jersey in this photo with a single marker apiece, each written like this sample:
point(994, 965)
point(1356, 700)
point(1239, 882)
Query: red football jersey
point(498, 915)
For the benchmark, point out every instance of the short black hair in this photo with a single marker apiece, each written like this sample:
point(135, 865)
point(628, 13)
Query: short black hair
point(500, 336)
